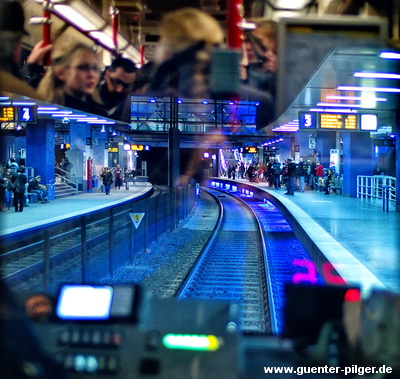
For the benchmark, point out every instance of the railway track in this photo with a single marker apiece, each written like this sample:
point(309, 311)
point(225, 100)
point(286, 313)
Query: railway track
point(23, 267)
point(232, 266)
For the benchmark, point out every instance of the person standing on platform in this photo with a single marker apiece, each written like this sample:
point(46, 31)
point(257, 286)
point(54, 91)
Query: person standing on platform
point(301, 174)
point(319, 172)
point(291, 177)
point(276, 172)
point(19, 180)
point(107, 180)
point(118, 177)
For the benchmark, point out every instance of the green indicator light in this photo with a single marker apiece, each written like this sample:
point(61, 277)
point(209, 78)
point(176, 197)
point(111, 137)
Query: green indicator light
point(191, 342)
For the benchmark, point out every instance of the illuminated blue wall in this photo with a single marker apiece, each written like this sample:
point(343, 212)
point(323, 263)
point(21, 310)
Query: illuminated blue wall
point(40, 149)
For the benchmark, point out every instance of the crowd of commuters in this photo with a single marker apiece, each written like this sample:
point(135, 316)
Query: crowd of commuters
point(15, 188)
point(295, 177)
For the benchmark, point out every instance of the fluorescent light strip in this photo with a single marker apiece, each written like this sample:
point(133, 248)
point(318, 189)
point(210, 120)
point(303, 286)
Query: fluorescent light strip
point(376, 75)
point(333, 110)
point(359, 98)
point(23, 103)
point(71, 116)
point(368, 89)
point(47, 109)
point(389, 55)
point(102, 122)
point(65, 113)
point(76, 18)
point(339, 105)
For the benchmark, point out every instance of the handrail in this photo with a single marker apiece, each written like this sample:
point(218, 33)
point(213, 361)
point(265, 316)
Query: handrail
point(67, 181)
point(376, 187)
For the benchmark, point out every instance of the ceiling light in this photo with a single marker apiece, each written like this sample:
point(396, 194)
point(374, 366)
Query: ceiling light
point(80, 15)
point(356, 98)
point(104, 39)
point(369, 89)
point(389, 55)
point(23, 103)
point(339, 105)
point(376, 75)
point(333, 110)
point(47, 109)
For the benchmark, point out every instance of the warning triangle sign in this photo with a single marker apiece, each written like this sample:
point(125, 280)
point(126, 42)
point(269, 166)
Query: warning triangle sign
point(136, 218)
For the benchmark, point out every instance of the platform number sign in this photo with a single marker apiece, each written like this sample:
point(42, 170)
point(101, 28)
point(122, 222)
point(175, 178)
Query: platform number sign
point(27, 114)
point(307, 120)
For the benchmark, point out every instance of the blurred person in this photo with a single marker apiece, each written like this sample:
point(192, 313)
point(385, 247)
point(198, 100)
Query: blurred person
point(182, 63)
point(258, 69)
point(12, 30)
point(107, 178)
point(118, 177)
point(116, 88)
point(40, 189)
point(291, 173)
point(22, 354)
point(73, 79)
point(260, 56)
point(3, 186)
point(301, 172)
point(19, 179)
point(277, 170)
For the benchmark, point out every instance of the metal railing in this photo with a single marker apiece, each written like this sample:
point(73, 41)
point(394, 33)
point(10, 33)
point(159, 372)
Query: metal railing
point(97, 243)
point(377, 187)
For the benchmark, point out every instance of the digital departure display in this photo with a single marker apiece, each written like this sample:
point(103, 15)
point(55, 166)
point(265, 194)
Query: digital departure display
point(338, 121)
point(7, 114)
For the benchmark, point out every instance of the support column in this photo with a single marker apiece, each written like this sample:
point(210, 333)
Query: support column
point(397, 162)
point(357, 160)
point(325, 142)
point(40, 148)
point(173, 157)
point(79, 153)
point(173, 145)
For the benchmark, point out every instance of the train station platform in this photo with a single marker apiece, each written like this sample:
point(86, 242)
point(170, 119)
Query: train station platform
point(37, 215)
point(356, 235)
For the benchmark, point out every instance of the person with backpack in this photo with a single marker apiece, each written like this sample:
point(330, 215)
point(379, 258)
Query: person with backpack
point(276, 172)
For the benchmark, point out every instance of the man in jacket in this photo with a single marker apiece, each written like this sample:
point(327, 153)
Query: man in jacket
point(291, 177)
point(41, 190)
point(19, 180)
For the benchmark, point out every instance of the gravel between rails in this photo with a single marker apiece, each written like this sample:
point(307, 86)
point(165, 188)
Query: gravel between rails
point(162, 267)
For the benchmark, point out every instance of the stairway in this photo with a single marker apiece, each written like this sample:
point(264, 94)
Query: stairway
point(63, 190)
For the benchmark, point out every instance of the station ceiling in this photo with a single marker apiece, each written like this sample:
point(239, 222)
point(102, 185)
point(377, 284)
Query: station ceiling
point(336, 68)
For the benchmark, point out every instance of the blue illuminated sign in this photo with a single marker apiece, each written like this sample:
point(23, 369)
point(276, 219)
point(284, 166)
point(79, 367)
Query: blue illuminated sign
point(27, 114)
point(307, 120)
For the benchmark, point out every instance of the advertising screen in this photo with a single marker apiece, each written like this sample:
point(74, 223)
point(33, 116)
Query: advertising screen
point(369, 122)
